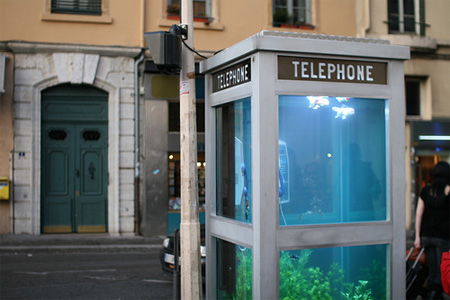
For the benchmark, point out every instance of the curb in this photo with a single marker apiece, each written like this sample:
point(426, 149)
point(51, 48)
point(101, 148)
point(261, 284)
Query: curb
point(77, 248)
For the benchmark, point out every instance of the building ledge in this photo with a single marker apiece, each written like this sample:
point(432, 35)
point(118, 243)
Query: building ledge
point(413, 41)
point(197, 25)
point(105, 19)
point(33, 47)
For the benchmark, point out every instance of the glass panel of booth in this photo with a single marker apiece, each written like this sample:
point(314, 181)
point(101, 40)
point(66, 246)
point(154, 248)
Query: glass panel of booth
point(333, 158)
point(234, 160)
point(356, 272)
point(352, 272)
point(234, 271)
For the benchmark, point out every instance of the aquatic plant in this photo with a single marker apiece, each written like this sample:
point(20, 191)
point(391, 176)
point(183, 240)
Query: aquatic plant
point(244, 275)
point(375, 274)
point(360, 292)
point(301, 282)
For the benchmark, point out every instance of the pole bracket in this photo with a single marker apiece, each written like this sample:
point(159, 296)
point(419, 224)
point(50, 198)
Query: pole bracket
point(180, 30)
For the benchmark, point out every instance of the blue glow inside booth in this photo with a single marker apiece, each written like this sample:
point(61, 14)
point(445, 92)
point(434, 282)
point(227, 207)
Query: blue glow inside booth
point(305, 193)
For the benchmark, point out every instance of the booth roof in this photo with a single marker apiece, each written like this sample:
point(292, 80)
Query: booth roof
point(317, 44)
point(321, 37)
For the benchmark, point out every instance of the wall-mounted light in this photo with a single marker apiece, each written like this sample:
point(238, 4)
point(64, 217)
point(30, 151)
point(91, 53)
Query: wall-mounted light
point(434, 137)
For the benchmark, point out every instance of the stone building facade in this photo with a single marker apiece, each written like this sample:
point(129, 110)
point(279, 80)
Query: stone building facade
point(41, 66)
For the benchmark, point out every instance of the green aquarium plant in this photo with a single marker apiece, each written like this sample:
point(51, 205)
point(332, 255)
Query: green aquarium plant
point(244, 275)
point(360, 292)
point(300, 281)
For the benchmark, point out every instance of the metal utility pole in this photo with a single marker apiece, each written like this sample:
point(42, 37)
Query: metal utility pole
point(190, 226)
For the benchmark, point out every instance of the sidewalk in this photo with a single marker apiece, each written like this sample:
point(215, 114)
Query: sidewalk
point(77, 243)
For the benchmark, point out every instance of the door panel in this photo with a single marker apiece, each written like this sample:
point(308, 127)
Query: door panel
point(74, 165)
point(91, 204)
point(57, 170)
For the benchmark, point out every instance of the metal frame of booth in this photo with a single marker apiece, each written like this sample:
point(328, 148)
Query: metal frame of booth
point(264, 236)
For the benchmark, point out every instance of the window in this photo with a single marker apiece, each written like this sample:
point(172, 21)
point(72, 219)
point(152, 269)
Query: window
point(174, 116)
point(412, 95)
point(87, 11)
point(291, 12)
point(202, 8)
point(418, 97)
point(174, 174)
point(406, 16)
point(79, 7)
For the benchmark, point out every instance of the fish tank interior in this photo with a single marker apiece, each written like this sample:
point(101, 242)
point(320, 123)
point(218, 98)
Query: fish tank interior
point(234, 180)
point(332, 168)
point(333, 158)
point(357, 272)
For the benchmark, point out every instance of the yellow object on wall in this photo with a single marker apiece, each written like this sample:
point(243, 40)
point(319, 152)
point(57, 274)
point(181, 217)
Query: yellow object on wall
point(4, 188)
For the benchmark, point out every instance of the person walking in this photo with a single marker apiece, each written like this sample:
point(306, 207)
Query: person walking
point(433, 224)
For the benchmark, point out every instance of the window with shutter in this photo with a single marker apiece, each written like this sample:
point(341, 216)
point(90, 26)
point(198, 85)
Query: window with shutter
point(78, 7)
point(406, 16)
point(291, 12)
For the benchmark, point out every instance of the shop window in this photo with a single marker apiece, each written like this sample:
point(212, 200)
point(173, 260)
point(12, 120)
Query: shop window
point(291, 13)
point(175, 181)
point(406, 16)
point(202, 9)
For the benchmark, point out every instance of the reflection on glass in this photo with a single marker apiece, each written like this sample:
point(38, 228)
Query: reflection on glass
point(234, 271)
point(335, 273)
point(335, 151)
point(234, 160)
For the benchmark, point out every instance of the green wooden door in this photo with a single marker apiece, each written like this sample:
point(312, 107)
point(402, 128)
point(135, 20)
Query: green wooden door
point(74, 139)
point(91, 178)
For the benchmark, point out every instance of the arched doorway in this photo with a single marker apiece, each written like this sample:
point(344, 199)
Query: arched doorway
point(74, 151)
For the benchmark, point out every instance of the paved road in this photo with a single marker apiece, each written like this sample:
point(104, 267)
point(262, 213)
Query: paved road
point(83, 275)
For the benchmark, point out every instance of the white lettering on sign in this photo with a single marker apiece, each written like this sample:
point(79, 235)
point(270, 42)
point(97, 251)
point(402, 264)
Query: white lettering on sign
point(322, 70)
point(327, 70)
point(331, 70)
point(233, 77)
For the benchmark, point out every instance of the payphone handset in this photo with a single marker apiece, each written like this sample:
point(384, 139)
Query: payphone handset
point(241, 177)
point(283, 164)
point(240, 172)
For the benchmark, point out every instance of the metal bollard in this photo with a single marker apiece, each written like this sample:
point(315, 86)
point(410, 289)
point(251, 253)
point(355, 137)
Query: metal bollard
point(176, 271)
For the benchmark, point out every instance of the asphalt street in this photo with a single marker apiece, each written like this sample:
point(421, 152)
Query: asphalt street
point(86, 270)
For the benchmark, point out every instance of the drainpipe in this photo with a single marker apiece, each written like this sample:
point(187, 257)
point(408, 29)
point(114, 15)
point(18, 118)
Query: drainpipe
point(137, 135)
point(11, 192)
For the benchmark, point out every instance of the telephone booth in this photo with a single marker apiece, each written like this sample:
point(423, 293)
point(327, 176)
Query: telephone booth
point(305, 168)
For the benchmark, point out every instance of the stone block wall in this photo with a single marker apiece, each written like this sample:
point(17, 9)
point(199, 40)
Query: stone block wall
point(38, 67)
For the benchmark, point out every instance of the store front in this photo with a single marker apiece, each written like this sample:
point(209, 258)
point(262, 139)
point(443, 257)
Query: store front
point(161, 198)
point(430, 145)
point(305, 168)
